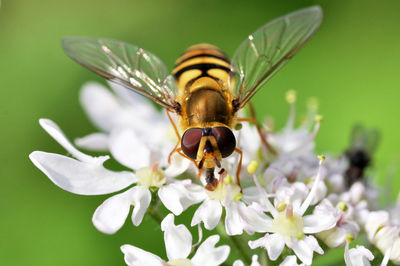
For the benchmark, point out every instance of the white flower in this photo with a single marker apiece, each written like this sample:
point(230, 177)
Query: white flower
point(291, 261)
point(291, 141)
point(356, 202)
point(228, 195)
point(395, 212)
point(358, 256)
point(178, 244)
point(288, 226)
point(127, 110)
point(254, 262)
point(335, 173)
point(336, 236)
point(86, 175)
point(384, 235)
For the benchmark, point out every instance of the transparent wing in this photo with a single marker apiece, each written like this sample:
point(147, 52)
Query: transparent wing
point(266, 50)
point(125, 64)
point(364, 139)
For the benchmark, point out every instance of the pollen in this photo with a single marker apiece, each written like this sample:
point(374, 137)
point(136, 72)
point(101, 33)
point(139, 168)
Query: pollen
point(281, 206)
point(228, 179)
point(237, 197)
point(321, 158)
point(252, 167)
point(289, 226)
point(150, 178)
point(319, 118)
point(291, 96)
point(309, 180)
point(349, 238)
point(225, 192)
point(342, 206)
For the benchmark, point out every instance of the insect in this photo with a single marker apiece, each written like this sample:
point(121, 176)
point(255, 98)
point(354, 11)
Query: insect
point(363, 144)
point(205, 89)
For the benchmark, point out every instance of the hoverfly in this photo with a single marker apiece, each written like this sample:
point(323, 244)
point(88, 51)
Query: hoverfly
point(362, 145)
point(205, 89)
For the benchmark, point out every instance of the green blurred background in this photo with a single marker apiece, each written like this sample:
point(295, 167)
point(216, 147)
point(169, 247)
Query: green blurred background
point(352, 65)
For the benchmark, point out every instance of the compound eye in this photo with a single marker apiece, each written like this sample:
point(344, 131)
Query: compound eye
point(225, 140)
point(190, 142)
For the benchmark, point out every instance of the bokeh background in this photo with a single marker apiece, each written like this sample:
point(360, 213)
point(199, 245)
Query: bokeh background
point(352, 65)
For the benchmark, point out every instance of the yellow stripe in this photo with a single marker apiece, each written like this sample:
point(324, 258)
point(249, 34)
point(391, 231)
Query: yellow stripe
point(188, 76)
point(199, 51)
point(219, 74)
point(202, 60)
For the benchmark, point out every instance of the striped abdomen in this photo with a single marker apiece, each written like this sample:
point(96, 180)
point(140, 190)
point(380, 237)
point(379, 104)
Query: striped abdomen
point(202, 76)
point(202, 60)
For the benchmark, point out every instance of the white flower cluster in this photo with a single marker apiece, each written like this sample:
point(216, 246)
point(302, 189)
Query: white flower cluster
point(290, 201)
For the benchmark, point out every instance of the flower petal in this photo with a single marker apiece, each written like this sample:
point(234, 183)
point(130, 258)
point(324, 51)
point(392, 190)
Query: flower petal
point(110, 216)
point(141, 198)
point(56, 133)
point(137, 257)
point(80, 177)
point(238, 263)
point(101, 105)
point(274, 246)
point(178, 165)
point(179, 195)
point(94, 142)
point(304, 249)
point(209, 212)
point(255, 219)
point(315, 223)
point(208, 254)
point(359, 256)
point(233, 222)
point(178, 240)
point(290, 261)
point(128, 149)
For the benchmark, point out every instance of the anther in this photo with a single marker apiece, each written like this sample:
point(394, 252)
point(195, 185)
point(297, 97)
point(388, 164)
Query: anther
point(291, 96)
point(252, 167)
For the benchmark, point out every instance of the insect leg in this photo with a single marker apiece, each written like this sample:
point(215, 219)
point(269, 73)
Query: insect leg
point(253, 120)
point(173, 125)
point(172, 152)
point(239, 167)
point(177, 134)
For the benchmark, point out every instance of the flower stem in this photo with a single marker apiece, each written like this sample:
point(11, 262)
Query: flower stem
point(238, 241)
point(153, 210)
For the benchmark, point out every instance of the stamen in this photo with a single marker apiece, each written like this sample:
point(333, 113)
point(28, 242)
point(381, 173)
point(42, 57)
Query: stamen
point(291, 96)
point(228, 195)
point(237, 197)
point(313, 103)
point(346, 253)
point(200, 236)
point(300, 235)
point(228, 179)
point(312, 135)
point(389, 251)
point(281, 206)
point(349, 238)
point(252, 167)
point(289, 211)
point(342, 206)
point(312, 108)
point(265, 199)
point(291, 99)
point(313, 190)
